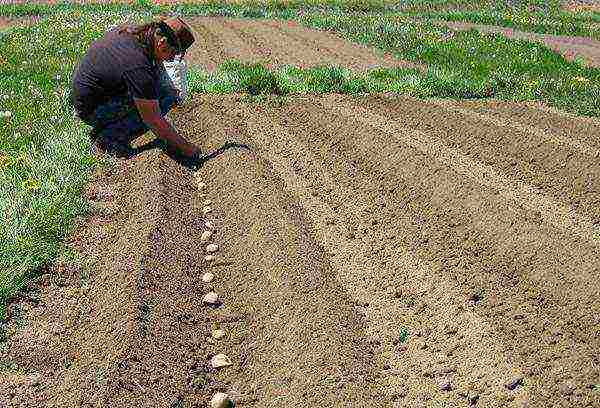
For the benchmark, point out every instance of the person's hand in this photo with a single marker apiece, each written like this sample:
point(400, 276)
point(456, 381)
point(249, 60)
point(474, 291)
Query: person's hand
point(185, 150)
point(195, 161)
point(188, 155)
point(194, 151)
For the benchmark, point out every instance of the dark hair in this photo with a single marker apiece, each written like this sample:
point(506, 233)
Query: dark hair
point(145, 34)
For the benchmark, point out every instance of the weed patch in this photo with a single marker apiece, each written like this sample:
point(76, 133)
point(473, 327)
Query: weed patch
point(403, 335)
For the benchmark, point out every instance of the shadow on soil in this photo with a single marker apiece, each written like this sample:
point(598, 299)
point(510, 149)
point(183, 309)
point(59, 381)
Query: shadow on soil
point(192, 163)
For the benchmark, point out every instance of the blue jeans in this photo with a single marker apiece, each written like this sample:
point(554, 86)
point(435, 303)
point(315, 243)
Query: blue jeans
point(117, 122)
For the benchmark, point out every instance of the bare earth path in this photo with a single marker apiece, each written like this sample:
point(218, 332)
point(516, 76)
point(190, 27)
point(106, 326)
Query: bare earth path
point(280, 43)
point(373, 251)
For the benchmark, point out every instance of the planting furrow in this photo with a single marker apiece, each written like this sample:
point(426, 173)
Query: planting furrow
point(524, 265)
point(301, 342)
point(326, 55)
point(170, 320)
point(580, 132)
point(378, 270)
point(280, 53)
point(533, 285)
point(100, 320)
point(343, 55)
point(305, 54)
point(507, 122)
point(556, 180)
point(575, 120)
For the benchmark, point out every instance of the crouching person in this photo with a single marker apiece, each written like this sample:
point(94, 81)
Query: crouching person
point(119, 89)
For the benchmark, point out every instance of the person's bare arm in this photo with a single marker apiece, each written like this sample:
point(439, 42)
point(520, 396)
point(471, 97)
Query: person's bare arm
point(150, 113)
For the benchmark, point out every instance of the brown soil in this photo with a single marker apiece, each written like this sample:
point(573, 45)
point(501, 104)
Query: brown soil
point(16, 21)
point(569, 47)
point(471, 225)
point(279, 43)
point(581, 5)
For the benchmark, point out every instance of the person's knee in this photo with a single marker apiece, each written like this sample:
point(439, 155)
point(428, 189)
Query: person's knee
point(124, 130)
point(116, 109)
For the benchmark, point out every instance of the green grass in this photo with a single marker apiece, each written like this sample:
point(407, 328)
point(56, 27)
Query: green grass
point(538, 20)
point(249, 8)
point(45, 155)
point(45, 158)
point(468, 64)
point(256, 79)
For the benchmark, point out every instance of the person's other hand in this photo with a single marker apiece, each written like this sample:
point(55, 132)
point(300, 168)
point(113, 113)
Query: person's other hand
point(194, 151)
point(193, 162)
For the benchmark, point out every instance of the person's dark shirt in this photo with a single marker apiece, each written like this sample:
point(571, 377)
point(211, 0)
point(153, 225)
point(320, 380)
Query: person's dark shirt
point(113, 65)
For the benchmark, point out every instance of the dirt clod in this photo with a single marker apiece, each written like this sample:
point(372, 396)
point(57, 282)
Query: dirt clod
point(445, 385)
point(220, 400)
point(514, 382)
point(205, 236)
point(211, 298)
point(567, 387)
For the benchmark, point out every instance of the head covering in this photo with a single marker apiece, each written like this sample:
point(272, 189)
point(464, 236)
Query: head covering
point(178, 33)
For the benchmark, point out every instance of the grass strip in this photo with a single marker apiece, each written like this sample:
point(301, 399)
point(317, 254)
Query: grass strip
point(535, 20)
point(243, 8)
point(255, 79)
point(45, 155)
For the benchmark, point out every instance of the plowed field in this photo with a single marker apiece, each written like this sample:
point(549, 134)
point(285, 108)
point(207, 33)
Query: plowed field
point(373, 251)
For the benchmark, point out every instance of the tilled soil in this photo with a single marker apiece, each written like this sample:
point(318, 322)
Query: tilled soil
point(277, 43)
point(581, 5)
point(373, 251)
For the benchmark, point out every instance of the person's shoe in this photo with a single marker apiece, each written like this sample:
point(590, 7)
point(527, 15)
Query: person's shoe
point(114, 148)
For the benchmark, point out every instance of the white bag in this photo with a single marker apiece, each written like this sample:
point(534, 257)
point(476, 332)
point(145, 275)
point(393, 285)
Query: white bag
point(177, 75)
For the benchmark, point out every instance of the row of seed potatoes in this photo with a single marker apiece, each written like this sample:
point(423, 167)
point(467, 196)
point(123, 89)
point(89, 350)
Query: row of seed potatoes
point(220, 399)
